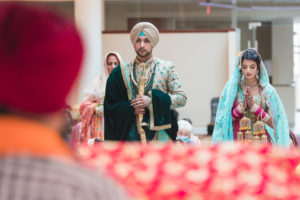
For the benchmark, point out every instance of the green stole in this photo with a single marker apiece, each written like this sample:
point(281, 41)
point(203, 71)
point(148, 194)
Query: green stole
point(119, 115)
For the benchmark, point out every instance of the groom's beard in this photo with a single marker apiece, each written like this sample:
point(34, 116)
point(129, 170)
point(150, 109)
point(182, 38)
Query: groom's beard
point(145, 54)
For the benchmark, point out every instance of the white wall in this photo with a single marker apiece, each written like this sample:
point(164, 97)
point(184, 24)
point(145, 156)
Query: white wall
point(282, 52)
point(297, 91)
point(288, 98)
point(201, 59)
point(283, 66)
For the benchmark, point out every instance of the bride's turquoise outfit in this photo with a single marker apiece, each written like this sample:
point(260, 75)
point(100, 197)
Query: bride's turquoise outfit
point(223, 130)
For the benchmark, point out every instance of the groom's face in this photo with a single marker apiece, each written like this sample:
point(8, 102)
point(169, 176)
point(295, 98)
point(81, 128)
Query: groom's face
point(143, 46)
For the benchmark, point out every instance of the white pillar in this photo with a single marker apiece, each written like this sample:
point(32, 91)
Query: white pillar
point(88, 18)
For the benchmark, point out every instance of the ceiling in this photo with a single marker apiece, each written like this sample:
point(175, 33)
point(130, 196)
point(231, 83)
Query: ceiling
point(262, 10)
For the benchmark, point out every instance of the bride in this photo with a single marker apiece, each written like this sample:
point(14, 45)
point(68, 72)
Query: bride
point(249, 91)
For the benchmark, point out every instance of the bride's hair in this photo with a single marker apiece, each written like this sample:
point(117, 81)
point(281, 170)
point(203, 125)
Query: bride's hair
point(252, 54)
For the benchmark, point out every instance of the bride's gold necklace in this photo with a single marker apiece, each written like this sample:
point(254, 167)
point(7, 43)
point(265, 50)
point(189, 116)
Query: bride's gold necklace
point(252, 86)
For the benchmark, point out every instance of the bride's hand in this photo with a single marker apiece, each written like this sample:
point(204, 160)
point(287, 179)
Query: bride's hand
point(249, 99)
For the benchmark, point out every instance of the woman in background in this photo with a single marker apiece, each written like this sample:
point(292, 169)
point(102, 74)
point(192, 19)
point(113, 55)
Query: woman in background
point(91, 109)
point(249, 91)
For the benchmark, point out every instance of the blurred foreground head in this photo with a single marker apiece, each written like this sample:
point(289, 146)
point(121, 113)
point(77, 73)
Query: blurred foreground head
point(40, 57)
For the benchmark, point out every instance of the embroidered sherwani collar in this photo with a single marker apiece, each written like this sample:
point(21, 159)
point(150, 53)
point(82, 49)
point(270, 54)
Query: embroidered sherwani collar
point(149, 62)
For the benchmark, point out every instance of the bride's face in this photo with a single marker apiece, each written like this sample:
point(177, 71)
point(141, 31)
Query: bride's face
point(249, 69)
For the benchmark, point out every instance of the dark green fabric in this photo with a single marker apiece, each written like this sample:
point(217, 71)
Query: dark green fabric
point(162, 113)
point(118, 113)
point(133, 134)
point(161, 107)
point(172, 132)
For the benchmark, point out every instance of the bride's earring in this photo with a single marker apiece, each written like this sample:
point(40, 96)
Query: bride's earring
point(257, 77)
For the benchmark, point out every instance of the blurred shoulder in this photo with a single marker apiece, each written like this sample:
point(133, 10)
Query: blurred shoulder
point(71, 180)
